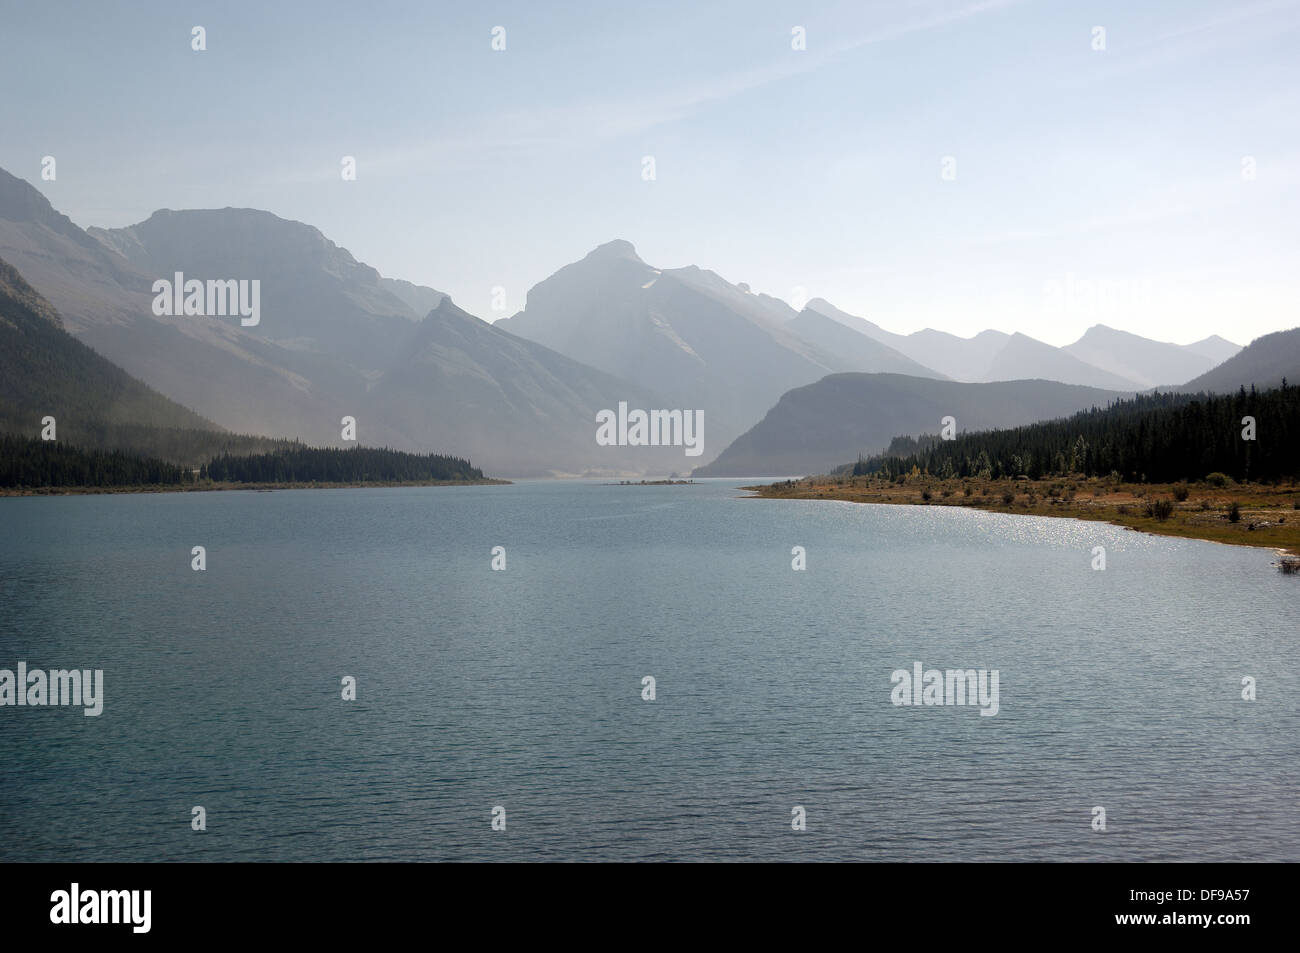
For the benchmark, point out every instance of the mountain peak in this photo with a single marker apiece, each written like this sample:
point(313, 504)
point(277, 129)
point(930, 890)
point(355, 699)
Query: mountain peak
point(1105, 335)
point(227, 216)
point(20, 201)
point(618, 248)
point(447, 308)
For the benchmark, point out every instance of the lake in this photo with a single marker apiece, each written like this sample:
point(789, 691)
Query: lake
point(522, 689)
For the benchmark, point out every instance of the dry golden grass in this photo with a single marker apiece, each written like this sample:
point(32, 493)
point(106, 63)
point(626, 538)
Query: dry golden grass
point(1269, 516)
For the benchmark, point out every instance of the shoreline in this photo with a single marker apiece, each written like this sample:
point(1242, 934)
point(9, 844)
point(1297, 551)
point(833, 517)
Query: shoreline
point(1269, 517)
point(221, 487)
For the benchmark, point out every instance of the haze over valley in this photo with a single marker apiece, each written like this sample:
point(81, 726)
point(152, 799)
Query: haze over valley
point(520, 396)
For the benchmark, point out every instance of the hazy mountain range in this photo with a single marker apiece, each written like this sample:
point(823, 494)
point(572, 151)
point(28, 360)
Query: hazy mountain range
point(1266, 362)
point(335, 339)
point(1103, 357)
point(698, 340)
point(816, 428)
point(519, 397)
point(46, 372)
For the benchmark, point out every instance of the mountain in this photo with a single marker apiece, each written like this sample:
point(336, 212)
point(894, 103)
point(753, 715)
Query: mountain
point(1262, 363)
point(334, 339)
point(476, 391)
point(996, 356)
point(1149, 363)
point(244, 382)
point(418, 298)
point(861, 325)
point(963, 359)
point(700, 341)
point(858, 350)
point(1026, 358)
point(45, 371)
point(1214, 347)
point(315, 297)
point(816, 428)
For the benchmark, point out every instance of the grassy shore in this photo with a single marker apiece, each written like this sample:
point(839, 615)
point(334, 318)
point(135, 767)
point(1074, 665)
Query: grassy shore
point(208, 486)
point(1268, 516)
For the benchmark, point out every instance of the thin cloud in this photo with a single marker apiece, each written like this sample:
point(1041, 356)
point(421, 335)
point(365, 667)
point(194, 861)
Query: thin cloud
point(1245, 26)
point(573, 125)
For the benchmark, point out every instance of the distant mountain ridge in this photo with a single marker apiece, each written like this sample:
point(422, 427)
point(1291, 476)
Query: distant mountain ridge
point(1102, 357)
point(1214, 347)
point(243, 382)
point(315, 296)
point(457, 360)
point(857, 349)
point(1264, 363)
point(700, 341)
point(47, 373)
point(816, 428)
point(954, 357)
point(335, 339)
point(1150, 363)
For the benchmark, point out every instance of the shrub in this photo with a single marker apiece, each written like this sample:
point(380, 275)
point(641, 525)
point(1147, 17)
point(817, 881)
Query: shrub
point(1160, 509)
point(1234, 512)
point(1008, 497)
point(925, 495)
point(1180, 493)
point(1216, 478)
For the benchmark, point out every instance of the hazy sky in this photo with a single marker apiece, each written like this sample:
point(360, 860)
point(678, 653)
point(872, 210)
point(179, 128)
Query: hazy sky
point(815, 172)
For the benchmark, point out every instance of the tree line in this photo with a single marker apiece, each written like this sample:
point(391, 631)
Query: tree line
point(32, 462)
point(27, 462)
point(1160, 438)
point(323, 465)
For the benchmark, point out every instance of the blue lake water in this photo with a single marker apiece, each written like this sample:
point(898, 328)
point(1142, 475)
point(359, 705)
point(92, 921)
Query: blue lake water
point(522, 688)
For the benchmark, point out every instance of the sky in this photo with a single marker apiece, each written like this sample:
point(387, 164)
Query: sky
point(941, 163)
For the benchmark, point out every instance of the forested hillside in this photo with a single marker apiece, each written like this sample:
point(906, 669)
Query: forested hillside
point(358, 465)
point(31, 463)
point(46, 372)
point(1159, 438)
